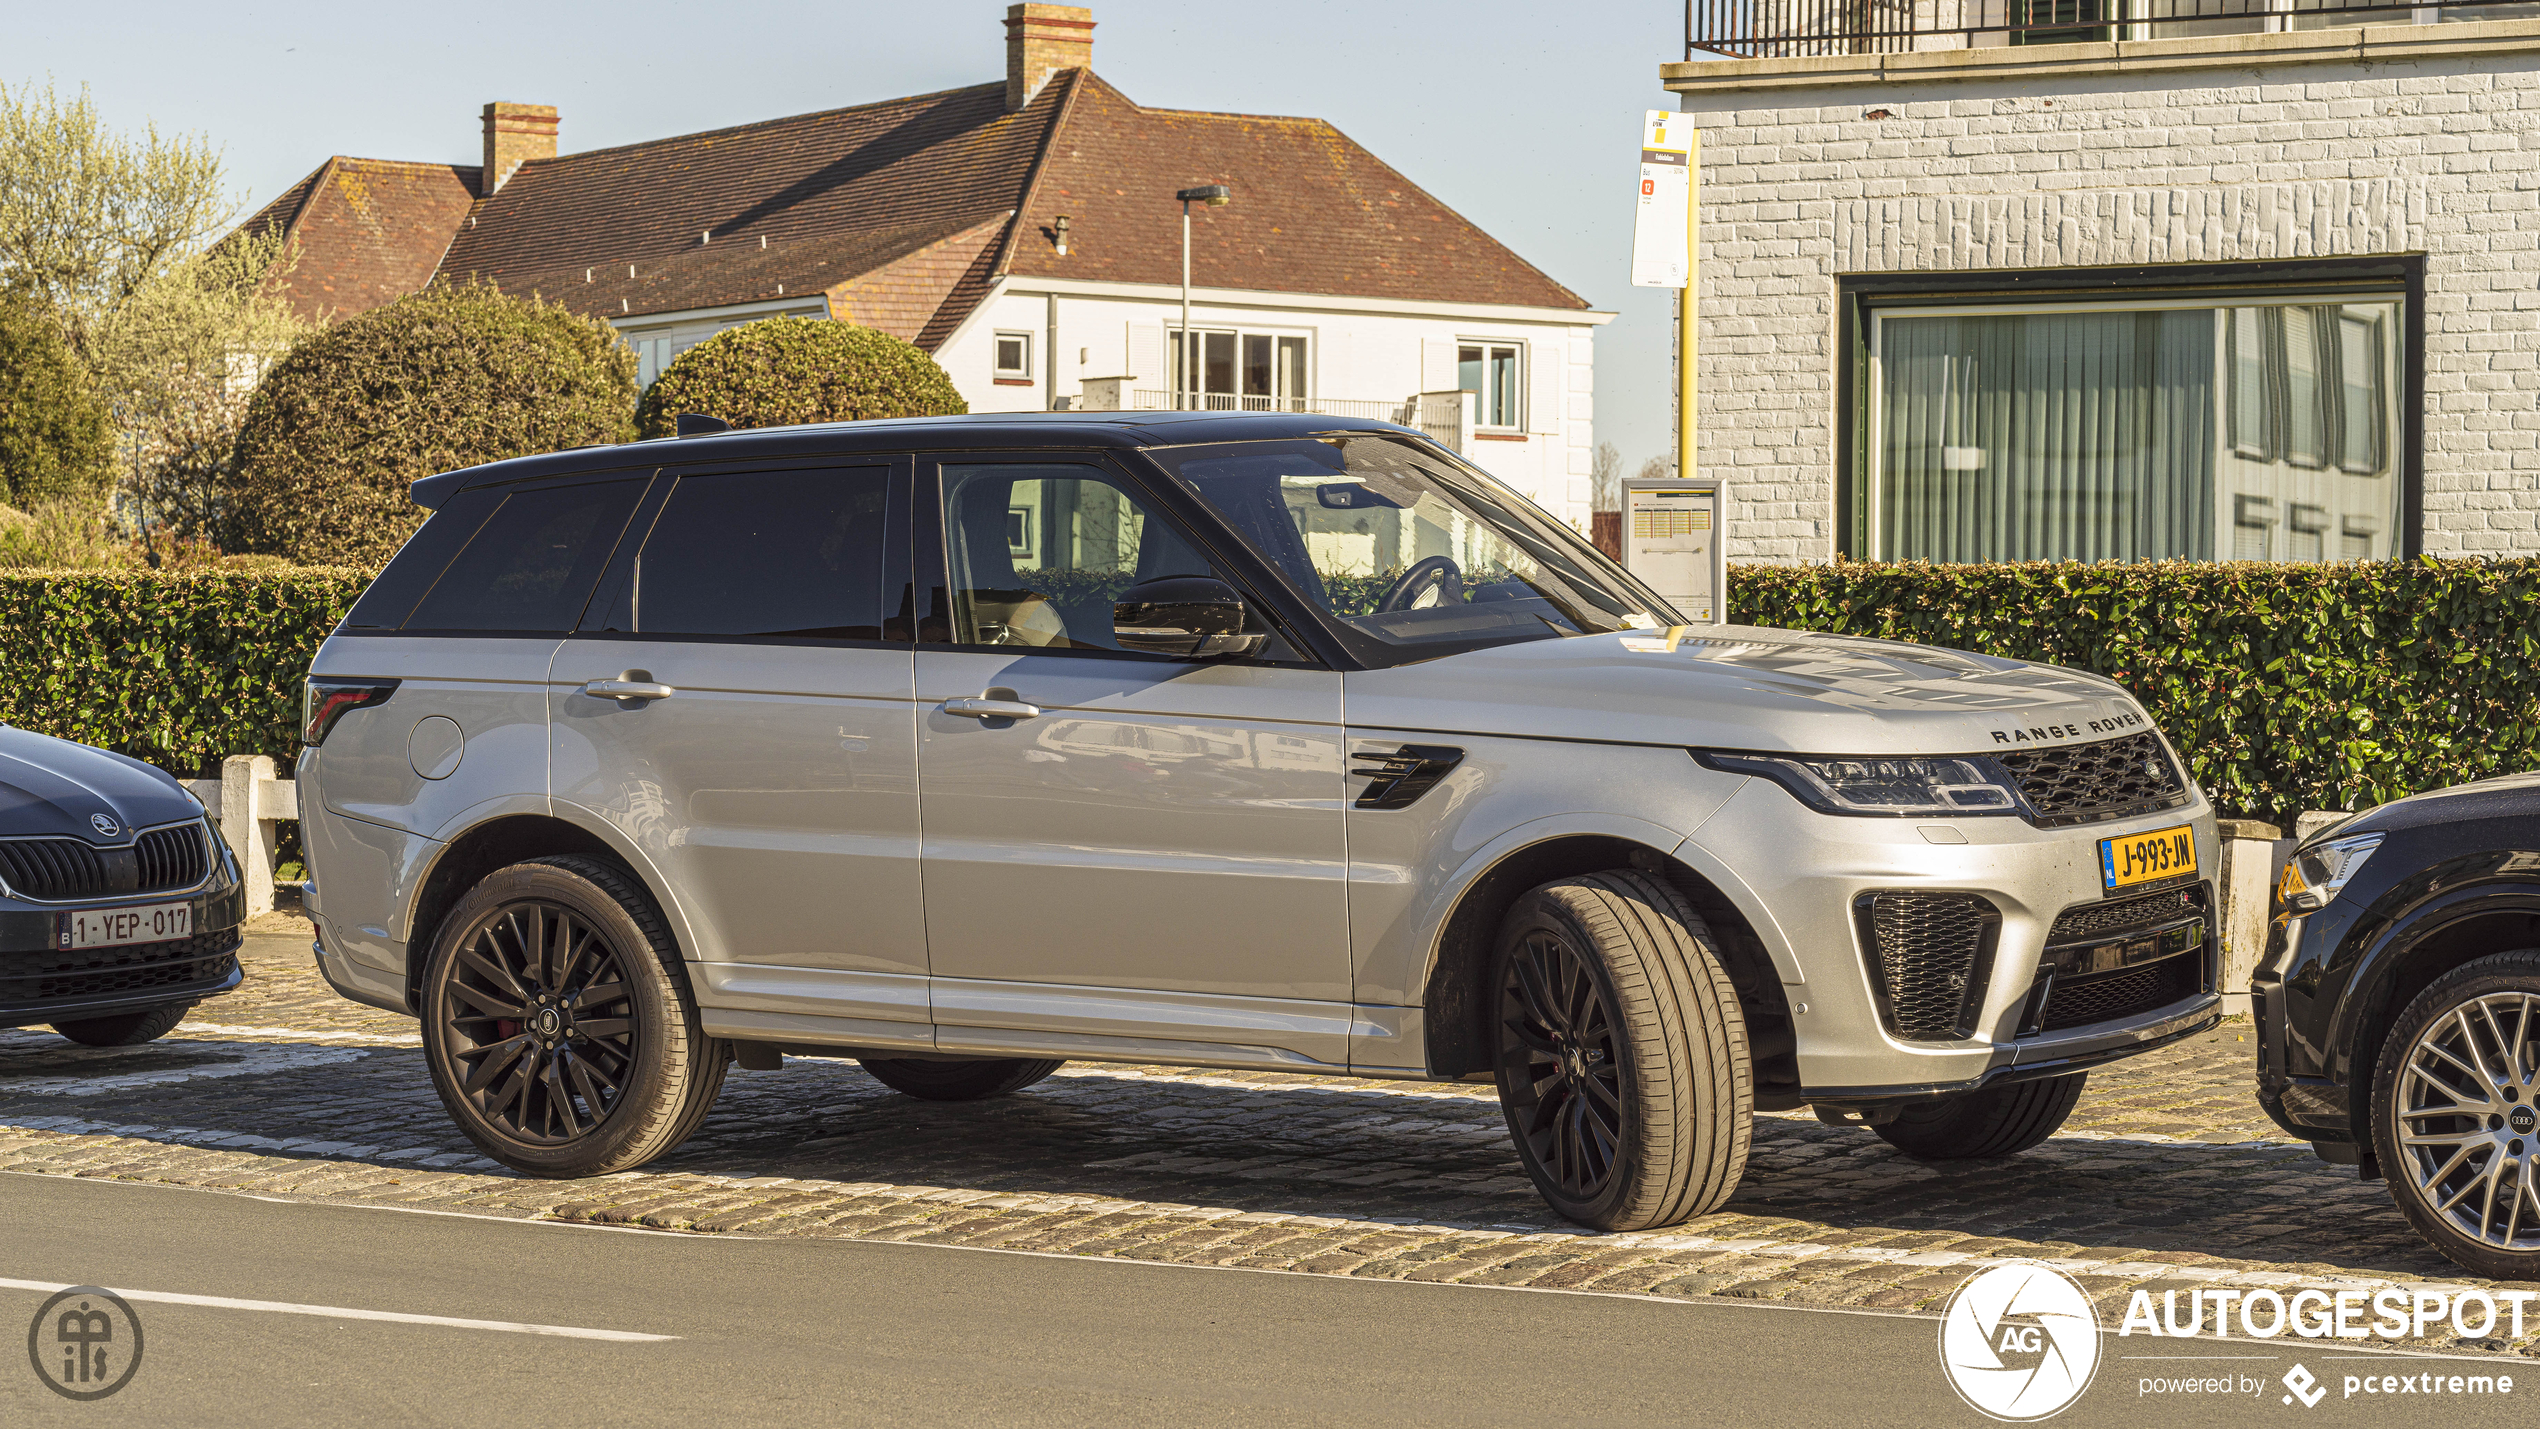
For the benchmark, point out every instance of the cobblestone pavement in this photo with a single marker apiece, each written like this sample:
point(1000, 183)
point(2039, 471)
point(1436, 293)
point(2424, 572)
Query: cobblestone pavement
point(2167, 1177)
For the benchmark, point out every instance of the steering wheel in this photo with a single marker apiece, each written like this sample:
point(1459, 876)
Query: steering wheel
point(1435, 581)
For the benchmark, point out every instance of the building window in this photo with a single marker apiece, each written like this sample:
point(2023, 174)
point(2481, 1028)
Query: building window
point(2143, 430)
point(1014, 357)
point(1233, 371)
point(1493, 373)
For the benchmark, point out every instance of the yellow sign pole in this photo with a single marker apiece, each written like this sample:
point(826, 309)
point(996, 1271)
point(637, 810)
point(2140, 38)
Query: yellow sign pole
point(1689, 313)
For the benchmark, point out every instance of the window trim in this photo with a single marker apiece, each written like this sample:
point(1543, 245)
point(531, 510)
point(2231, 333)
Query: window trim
point(1177, 357)
point(1523, 348)
point(2221, 285)
point(996, 355)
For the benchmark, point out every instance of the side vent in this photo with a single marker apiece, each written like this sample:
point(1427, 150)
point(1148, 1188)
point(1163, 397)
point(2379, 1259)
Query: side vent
point(1400, 778)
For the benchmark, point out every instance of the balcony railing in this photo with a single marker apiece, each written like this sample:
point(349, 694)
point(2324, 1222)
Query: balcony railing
point(1160, 401)
point(1788, 29)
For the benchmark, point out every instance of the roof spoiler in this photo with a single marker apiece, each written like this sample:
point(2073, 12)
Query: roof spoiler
point(432, 492)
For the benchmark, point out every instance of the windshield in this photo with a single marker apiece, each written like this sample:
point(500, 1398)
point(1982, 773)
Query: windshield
point(1403, 546)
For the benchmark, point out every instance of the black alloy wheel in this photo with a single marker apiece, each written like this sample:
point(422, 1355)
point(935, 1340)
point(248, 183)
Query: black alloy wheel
point(1563, 1065)
point(542, 1036)
point(558, 1025)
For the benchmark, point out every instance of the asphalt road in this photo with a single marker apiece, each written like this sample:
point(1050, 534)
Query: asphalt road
point(818, 1332)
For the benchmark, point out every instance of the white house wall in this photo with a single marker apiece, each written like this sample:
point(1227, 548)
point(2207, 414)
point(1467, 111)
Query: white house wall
point(1357, 356)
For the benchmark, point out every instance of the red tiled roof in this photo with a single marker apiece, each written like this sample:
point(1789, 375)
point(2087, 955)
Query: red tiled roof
point(367, 231)
point(871, 184)
point(904, 213)
point(1312, 212)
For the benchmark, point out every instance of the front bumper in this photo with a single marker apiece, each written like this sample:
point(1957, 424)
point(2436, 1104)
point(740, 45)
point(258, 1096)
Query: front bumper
point(1814, 873)
point(41, 982)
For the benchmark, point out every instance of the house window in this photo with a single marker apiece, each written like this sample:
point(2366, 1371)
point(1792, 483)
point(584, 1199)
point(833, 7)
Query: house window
point(2135, 430)
point(1014, 357)
point(1492, 371)
point(1234, 371)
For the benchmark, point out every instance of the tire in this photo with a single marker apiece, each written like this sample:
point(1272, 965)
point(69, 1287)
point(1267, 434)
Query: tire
point(1621, 1052)
point(1999, 1121)
point(2467, 1179)
point(956, 1081)
point(126, 1029)
point(624, 1069)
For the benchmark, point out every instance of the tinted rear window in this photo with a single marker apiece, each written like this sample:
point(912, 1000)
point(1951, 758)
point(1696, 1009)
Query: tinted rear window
point(426, 554)
point(769, 553)
point(532, 565)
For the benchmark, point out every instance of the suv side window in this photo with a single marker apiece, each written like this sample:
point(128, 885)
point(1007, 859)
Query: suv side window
point(1037, 553)
point(531, 566)
point(798, 554)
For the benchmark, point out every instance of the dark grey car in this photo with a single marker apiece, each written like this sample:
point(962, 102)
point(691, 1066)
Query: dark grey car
point(120, 905)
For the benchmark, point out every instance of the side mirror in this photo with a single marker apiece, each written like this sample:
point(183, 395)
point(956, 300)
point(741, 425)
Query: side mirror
point(1188, 617)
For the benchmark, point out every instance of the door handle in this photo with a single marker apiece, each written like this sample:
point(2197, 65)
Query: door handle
point(985, 709)
point(627, 691)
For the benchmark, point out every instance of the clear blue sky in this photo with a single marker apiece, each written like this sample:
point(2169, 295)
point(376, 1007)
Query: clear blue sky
point(1524, 117)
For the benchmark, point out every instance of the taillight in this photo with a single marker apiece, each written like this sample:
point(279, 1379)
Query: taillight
point(323, 702)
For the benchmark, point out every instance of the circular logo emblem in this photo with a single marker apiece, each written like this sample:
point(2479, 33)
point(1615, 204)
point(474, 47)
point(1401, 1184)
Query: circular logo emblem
point(106, 828)
point(85, 1343)
point(547, 1021)
point(2524, 1119)
point(2019, 1342)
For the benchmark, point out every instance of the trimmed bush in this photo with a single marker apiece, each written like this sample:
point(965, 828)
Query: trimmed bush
point(782, 372)
point(175, 670)
point(54, 441)
point(2287, 687)
point(447, 378)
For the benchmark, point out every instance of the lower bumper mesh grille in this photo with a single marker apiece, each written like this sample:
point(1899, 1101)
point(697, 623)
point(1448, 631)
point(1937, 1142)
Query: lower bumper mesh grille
point(1930, 956)
point(30, 980)
point(2082, 1001)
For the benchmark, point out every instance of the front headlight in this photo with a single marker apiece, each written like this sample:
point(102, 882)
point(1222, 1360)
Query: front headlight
point(2314, 876)
point(1876, 785)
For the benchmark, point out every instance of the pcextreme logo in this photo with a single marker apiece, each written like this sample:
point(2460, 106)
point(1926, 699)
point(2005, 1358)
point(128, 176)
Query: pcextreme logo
point(2019, 1342)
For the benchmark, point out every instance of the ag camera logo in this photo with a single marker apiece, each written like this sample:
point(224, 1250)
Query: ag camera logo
point(2019, 1342)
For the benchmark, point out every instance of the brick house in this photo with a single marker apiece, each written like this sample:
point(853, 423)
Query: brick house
point(2092, 279)
point(1025, 233)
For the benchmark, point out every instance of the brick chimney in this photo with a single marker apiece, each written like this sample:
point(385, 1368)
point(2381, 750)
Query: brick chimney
point(514, 134)
point(1041, 40)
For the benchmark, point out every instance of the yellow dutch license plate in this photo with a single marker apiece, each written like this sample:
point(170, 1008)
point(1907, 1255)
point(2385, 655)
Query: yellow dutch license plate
point(2146, 858)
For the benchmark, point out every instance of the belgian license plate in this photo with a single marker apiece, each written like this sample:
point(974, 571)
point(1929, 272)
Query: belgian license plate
point(2146, 858)
point(114, 927)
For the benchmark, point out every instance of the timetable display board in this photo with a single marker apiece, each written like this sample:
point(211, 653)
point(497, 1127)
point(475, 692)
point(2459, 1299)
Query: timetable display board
point(1671, 540)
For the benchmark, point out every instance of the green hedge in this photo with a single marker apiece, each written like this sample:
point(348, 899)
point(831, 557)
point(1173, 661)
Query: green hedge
point(177, 670)
point(2287, 687)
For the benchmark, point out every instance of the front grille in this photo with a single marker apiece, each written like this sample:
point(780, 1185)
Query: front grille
point(2085, 783)
point(1930, 954)
point(66, 976)
point(161, 860)
point(171, 858)
point(2090, 922)
point(2082, 1001)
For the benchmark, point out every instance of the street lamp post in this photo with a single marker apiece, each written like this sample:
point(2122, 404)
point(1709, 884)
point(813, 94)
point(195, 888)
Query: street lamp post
point(1215, 196)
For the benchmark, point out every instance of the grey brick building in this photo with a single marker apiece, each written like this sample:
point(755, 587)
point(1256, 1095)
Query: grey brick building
point(2063, 280)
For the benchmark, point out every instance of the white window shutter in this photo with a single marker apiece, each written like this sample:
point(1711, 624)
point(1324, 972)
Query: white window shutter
point(1543, 403)
point(1146, 355)
point(1437, 364)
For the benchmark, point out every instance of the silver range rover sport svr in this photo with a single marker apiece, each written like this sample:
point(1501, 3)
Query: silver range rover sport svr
point(965, 747)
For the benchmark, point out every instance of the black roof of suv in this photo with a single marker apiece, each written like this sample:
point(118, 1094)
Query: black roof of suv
point(971, 433)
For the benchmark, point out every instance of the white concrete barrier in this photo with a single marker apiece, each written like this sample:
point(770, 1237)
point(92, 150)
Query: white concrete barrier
point(247, 801)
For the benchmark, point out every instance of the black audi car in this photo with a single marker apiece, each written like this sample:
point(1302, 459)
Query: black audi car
point(2398, 1012)
point(120, 904)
